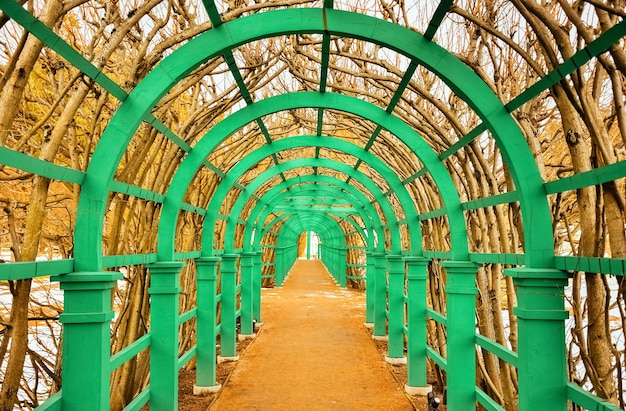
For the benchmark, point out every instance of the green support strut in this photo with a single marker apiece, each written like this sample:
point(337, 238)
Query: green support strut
point(542, 353)
point(342, 267)
point(278, 265)
point(228, 339)
point(247, 293)
point(206, 326)
point(461, 325)
point(380, 296)
point(86, 339)
point(416, 325)
point(395, 345)
point(256, 286)
point(370, 281)
point(164, 291)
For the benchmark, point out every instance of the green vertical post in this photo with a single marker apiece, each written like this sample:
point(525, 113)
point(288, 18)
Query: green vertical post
point(256, 285)
point(228, 338)
point(541, 338)
point(86, 339)
point(416, 324)
point(461, 325)
point(395, 345)
point(247, 293)
point(380, 296)
point(308, 245)
point(278, 265)
point(206, 326)
point(164, 291)
point(370, 282)
point(342, 267)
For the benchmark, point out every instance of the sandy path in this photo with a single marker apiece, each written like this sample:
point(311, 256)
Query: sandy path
point(313, 353)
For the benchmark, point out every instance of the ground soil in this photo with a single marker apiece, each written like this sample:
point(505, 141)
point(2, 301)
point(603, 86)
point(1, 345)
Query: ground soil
point(312, 352)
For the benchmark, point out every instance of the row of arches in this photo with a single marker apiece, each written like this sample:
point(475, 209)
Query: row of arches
point(276, 205)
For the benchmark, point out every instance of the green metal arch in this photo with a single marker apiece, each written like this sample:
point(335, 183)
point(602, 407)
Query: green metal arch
point(253, 158)
point(369, 240)
point(262, 210)
point(271, 172)
point(452, 71)
point(259, 215)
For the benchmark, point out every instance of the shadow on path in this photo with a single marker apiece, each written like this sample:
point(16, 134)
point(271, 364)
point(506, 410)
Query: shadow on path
point(313, 352)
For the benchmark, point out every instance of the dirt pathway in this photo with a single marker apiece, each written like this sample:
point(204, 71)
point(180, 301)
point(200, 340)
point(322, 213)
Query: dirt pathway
point(313, 353)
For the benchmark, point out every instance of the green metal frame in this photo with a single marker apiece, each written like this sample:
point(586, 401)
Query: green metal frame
point(87, 287)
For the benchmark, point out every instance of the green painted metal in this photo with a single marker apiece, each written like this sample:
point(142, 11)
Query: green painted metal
point(380, 295)
point(461, 326)
point(232, 34)
point(180, 181)
point(86, 339)
point(34, 269)
point(416, 312)
point(228, 275)
point(395, 317)
point(206, 321)
point(247, 292)
point(437, 18)
point(87, 294)
point(164, 291)
point(34, 165)
point(293, 164)
point(540, 311)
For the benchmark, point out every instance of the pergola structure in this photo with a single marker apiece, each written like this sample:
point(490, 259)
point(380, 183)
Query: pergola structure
point(300, 190)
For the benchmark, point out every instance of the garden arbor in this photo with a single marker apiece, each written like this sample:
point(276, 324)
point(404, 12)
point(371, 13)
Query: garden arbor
point(367, 213)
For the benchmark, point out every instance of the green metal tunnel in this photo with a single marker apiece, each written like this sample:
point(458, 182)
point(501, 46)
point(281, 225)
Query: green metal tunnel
point(272, 209)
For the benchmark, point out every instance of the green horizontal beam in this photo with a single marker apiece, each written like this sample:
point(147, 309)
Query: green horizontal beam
point(110, 261)
point(415, 176)
point(193, 209)
point(498, 350)
point(579, 59)
point(34, 269)
point(437, 358)
point(186, 357)
point(441, 255)
point(130, 351)
point(135, 191)
point(589, 178)
point(465, 140)
point(188, 315)
point(43, 168)
point(48, 37)
point(587, 400)
point(486, 401)
point(187, 255)
point(437, 316)
point(437, 18)
point(433, 214)
point(504, 198)
point(614, 266)
point(494, 258)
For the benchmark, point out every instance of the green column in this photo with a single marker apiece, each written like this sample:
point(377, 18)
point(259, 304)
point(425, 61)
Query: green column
point(416, 324)
point(380, 296)
point(461, 326)
point(541, 338)
point(278, 265)
point(370, 282)
point(206, 325)
point(256, 286)
point(395, 345)
point(342, 267)
point(164, 290)
point(86, 339)
point(308, 245)
point(247, 293)
point(228, 338)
